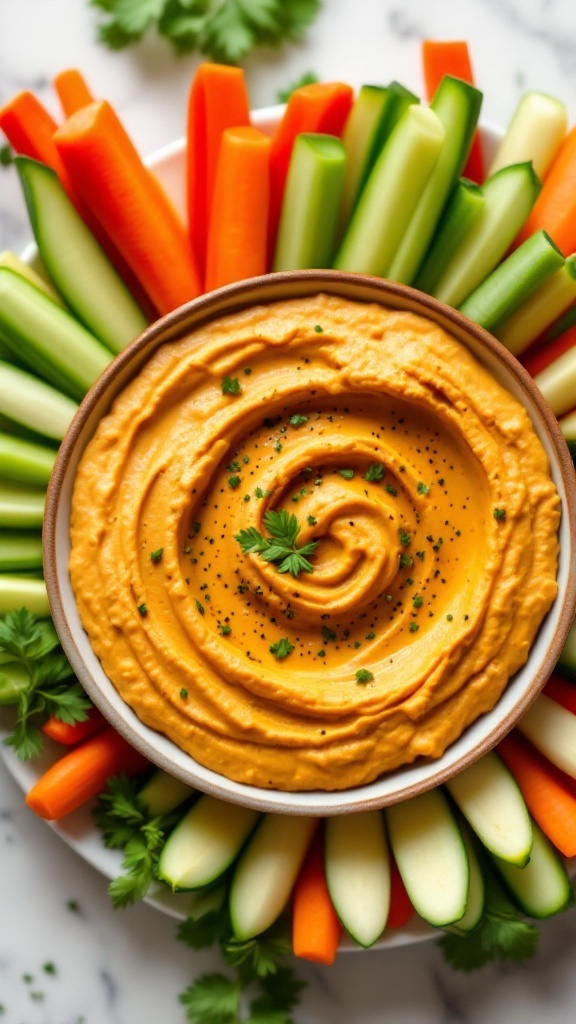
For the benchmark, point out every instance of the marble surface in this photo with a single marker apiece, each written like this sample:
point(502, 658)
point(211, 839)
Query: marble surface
point(66, 957)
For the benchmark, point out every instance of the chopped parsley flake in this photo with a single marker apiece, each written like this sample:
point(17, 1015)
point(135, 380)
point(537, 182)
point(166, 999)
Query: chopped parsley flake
point(261, 493)
point(225, 630)
point(374, 472)
point(391, 490)
point(363, 675)
point(404, 538)
point(297, 420)
point(318, 329)
point(231, 386)
point(499, 513)
point(414, 627)
point(233, 481)
point(155, 556)
point(422, 488)
point(311, 520)
point(417, 601)
point(346, 473)
point(282, 648)
point(183, 693)
point(143, 610)
point(328, 634)
point(200, 607)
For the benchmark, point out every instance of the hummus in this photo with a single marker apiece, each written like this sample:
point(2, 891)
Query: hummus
point(423, 508)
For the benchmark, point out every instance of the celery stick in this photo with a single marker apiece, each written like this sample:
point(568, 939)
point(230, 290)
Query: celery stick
point(557, 382)
point(311, 205)
point(25, 461)
point(457, 104)
point(21, 506)
point(76, 263)
point(51, 341)
point(23, 592)
point(391, 193)
point(513, 281)
point(374, 113)
point(563, 323)
point(535, 132)
point(20, 550)
point(12, 262)
point(509, 196)
point(540, 309)
point(463, 207)
point(33, 403)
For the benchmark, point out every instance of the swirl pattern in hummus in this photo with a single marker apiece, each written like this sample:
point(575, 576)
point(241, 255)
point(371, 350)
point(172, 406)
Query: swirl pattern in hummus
point(435, 517)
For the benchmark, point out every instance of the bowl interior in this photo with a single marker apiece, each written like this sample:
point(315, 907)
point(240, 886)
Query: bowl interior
point(400, 784)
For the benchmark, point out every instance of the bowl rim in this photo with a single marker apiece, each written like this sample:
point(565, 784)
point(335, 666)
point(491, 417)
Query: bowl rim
point(220, 303)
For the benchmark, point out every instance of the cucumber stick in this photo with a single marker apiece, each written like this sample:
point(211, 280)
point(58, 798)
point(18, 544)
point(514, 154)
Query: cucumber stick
point(373, 116)
point(265, 874)
point(476, 888)
point(21, 506)
point(509, 196)
point(552, 730)
point(513, 282)
point(358, 873)
point(12, 262)
point(489, 798)
point(461, 211)
point(457, 104)
point(537, 128)
point(23, 592)
point(25, 461)
point(310, 209)
point(391, 193)
point(76, 263)
point(51, 342)
point(541, 888)
point(205, 843)
point(429, 850)
point(557, 382)
point(33, 403)
point(162, 792)
point(20, 550)
point(539, 310)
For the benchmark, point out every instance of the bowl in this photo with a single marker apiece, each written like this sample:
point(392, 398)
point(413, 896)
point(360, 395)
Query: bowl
point(403, 782)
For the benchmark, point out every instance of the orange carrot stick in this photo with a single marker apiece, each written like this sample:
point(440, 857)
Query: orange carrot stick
point(128, 202)
point(316, 928)
point(401, 909)
point(542, 354)
point(549, 800)
point(82, 773)
point(71, 734)
point(555, 207)
point(320, 107)
point(72, 90)
point(452, 57)
point(238, 230)
point(218, 99)
point(562, 690)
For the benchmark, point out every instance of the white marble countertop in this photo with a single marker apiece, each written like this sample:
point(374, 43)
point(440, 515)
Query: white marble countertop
point(124, 967)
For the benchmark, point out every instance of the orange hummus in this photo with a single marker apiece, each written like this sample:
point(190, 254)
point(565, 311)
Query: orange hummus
point(421, 488)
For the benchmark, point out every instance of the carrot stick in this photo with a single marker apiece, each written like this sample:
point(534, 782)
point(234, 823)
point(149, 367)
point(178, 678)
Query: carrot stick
point(218, 100)
point(452, 57)
point(82, 773)
point(128, 202)
point(72, 90)
point(401, 909)
point(543, 353)
point(549, 800)
point(71, 734)
point(562, 690)
point(316, 928)
point(555, 207)
point(320, 107)
point(238, 229)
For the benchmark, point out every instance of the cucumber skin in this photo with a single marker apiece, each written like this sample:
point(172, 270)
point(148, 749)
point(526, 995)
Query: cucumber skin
point(514, 880)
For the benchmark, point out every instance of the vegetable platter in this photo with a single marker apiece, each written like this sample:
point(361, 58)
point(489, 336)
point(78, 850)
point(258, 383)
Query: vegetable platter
point(520, 284)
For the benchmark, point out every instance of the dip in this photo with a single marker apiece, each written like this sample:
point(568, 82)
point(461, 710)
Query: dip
point(312, 542)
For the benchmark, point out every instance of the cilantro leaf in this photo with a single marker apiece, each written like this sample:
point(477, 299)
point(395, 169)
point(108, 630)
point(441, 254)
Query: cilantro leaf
point(374, 472)
point(203, 932)
point(212, 999)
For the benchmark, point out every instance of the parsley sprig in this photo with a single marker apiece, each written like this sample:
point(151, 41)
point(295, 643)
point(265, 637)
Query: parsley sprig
point(223, 30)
point(37, 679)
point(280, 547)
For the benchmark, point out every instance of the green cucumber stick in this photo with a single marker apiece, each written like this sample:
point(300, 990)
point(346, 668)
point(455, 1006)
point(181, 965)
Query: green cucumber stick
point(23, 461)
point(540, 309)
point(13, 262)
point(311, 204)
point(21, 506)
point(509, 196)
point(513, 281)
point(75, 261)
point(36, 405)
point(391, 193)
point(373, 116)
point(463, 207)
point(20, 550)
point(24, 592)
point(457, 104)
point(51, 342)
point(537, 128)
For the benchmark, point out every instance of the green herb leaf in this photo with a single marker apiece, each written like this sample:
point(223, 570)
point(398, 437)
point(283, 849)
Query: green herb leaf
point(231, 386)
point(282, 648)
point(363, 675)
point(374, 472)
point(298, 421)
point(499, 513)
point(212, 999)
point(281, 547)
point(346, 473)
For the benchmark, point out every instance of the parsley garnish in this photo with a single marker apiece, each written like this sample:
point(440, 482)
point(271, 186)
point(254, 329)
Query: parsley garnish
point(298, 421)
point(328, 634)
point(260, 493)
point(282, 648)
point(318, 329)
point(224, 31)
point(404, 538)
point(281, 546)
point(37, 680)
point(224, 629)
point(374, 472)
point(363, 675)
point(231, 386)
point(155, 556)
point(499, 513)
point(422, 488)
point(234, 482)
point(346, 473)
point(143, 609)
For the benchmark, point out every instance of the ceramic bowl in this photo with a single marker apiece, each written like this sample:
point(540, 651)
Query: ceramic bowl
point(477, 739)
